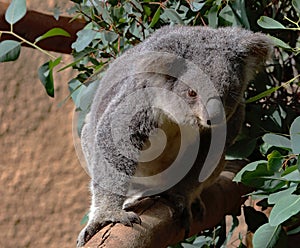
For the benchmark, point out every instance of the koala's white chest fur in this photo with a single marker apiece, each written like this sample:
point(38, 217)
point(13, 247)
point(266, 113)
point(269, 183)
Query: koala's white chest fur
point(165, 149)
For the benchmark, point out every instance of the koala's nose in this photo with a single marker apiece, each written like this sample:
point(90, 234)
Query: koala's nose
point(215, 111)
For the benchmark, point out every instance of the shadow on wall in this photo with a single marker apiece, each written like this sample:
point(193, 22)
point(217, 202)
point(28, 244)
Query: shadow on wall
point(44, 190)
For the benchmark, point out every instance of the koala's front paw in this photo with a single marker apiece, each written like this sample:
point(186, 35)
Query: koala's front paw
point(100, 220)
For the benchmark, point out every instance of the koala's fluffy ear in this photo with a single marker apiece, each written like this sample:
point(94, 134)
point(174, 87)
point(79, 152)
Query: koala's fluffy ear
point(257, 48)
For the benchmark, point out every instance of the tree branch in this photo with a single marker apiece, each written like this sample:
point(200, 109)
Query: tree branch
point(160, 229)
point(34, 24)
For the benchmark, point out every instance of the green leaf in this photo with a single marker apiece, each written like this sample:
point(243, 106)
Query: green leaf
point(173, 16)
point(53, 32)
point(46, 78)
point(9, 50)
point(85, 219)
point(296, 5)
point(76, 87)
point(280, 43)
point(45, 74)
point(212, 16)
point(185, 245)
point(285, 208)
point(196, 6)
point(56, 13)
point(277, 140)
point(249, 167)
point(240, 13)
point(295, 135)
point(227, 14)
point(269, 23)
point(292, 176)
point(262, 94)
point(137, 4)
point(155, 17)
point(274, 161)
point(15, 11)
point(275, 197)
point(84, 38)
point(108, 37)
point(268, 236)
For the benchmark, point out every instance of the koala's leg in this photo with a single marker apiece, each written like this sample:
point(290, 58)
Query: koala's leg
point(187, 204)
point(185, 197)
point(106, 208)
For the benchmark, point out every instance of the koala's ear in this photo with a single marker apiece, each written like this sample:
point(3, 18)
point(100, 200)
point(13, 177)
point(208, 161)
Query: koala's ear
point(257, 49)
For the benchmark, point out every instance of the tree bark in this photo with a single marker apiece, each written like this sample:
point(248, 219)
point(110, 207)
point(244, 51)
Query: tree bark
point(160, 229)
point(35, 24)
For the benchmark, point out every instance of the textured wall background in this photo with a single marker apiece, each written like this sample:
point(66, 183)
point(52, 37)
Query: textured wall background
point(43, 189)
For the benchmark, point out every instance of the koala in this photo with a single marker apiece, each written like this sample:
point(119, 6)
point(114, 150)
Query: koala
point(162, 117)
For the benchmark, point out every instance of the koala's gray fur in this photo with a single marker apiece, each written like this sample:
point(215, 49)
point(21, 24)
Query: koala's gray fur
point(149, 87)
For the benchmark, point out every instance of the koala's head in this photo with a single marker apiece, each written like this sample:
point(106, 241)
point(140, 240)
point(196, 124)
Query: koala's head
point(208, 68)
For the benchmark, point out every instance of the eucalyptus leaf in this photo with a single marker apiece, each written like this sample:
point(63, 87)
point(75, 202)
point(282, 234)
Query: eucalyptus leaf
point(196, 6)
point(295, 135)
point(269, 23)
point(280, 43)
point(185, 245)
point(137, 4)
point(296, 5)
point(267, 236)
point(212, 16)
point(84, 219)
point(108, 37)
point(84, 38)
point(274, 161)
point(15, 11)
point(275, 197)
point(9, 50)
point(46, 77)
point(293, 176)
point(249, 167)
point(240, 13)
point(75, 87)
point(173, 16)
point(285, 208)
point(227, 14)
point(45, 74)
point(56, 13)
point(155, 17)
point(53, 32)
point(262, 94)
point(277, 140)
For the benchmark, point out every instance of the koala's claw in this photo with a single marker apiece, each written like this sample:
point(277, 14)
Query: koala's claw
point(95, 224)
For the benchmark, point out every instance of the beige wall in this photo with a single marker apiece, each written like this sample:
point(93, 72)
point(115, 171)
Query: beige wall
point(43, 189)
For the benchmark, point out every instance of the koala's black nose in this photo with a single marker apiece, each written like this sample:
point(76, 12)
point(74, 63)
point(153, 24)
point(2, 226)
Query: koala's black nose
point(215, 111)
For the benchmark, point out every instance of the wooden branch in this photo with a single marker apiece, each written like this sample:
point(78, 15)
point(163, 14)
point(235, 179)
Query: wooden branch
point(34, 24)
point(159, 229)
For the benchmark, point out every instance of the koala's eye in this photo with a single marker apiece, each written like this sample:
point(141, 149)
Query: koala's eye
point(192, 93)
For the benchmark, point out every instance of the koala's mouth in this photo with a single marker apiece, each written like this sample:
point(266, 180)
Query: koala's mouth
point(210, 123)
